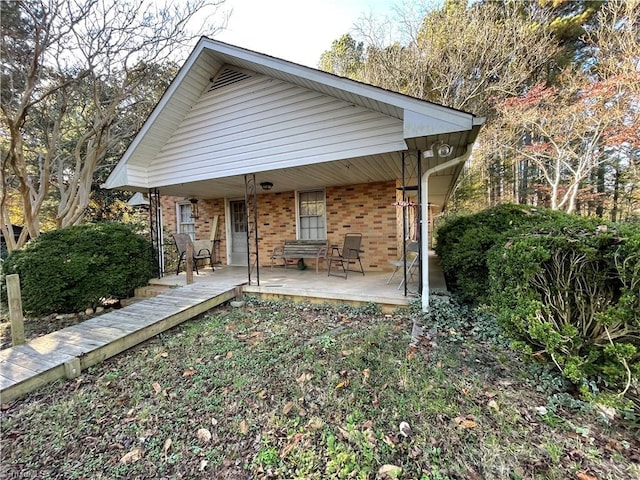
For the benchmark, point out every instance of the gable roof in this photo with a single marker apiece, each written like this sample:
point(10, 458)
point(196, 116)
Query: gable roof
point(214, 66)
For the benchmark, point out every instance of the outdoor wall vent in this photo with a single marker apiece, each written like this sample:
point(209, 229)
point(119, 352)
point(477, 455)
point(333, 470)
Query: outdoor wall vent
point(227, 76)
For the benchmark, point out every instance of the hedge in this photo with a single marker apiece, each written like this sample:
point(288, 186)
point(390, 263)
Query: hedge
point(70, 269)
point(569, 290)
point(464, 241)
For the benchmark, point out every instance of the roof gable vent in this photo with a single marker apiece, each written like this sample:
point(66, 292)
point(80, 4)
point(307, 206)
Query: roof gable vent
point(227, 76)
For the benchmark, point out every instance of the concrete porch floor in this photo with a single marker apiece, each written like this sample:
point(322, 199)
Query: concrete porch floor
point(317, 288)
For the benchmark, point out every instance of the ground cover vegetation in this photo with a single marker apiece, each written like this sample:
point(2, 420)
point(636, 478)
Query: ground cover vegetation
point(564, 288)
point(284, 390)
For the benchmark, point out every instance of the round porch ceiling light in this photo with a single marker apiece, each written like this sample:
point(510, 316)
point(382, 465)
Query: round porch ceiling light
point(266, 185)
point(438, 149)
point(444, 150)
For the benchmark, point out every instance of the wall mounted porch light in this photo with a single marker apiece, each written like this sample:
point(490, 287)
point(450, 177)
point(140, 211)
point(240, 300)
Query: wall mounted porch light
point(439, 149)
point(194, 208)
point(266, 185)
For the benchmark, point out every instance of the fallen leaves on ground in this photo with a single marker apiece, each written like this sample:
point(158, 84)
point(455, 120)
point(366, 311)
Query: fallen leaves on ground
point(304, 377)
point(274, 409)
point(315, 424)
point(465, 422)
point(244, 427)
point(343, 384)
point(165, 449)
point(585, 476)
point(287, 407)
point(132, 456)
point(290, 446)
point(167, 445)
point(389, 471)
point(203, 435)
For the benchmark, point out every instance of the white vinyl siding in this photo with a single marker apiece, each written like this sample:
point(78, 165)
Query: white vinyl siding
point(265, 124)
point(311, 215)
point(369, 122)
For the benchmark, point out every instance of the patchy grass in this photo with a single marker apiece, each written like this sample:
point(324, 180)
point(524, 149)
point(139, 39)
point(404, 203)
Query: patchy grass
point(277, 390)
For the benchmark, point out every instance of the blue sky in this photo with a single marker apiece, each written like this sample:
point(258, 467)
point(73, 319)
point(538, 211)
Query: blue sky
point(295, 30)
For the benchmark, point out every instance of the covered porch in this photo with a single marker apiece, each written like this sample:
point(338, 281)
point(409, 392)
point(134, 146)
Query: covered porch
point(306, 285)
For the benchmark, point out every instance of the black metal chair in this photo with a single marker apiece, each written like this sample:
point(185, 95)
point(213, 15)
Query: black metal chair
point(182, 241)
point(349, 254)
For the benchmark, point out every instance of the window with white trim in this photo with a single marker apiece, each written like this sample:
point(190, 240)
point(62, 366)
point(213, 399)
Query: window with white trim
point(186, 223)
point(312, 223)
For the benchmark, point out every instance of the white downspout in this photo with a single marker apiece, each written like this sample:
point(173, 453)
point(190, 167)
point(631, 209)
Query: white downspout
point(424, 202)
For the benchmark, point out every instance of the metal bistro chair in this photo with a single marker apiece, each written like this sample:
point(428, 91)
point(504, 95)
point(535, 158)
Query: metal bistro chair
point(349, 254)
point(412, 258)
point(182, 240)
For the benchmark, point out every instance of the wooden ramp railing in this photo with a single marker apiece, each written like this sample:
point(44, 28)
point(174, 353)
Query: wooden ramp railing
point(67, 352)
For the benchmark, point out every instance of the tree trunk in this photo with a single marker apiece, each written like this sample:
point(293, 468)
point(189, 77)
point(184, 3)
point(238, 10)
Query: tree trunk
point(616, 190)
point(600, 190)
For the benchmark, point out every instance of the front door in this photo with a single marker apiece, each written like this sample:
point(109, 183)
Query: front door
point(238, 216)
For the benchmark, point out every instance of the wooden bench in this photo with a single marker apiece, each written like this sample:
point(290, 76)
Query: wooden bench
point(294, 250)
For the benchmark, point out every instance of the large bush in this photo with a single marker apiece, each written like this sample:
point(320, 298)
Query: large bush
point(463, 243)
point(71, 269)
point(569, 290)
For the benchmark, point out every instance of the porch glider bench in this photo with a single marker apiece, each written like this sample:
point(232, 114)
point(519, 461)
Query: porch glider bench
point(293, 250)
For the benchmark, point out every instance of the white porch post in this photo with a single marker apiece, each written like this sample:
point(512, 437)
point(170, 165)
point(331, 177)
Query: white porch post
point(424, 238)
point(424, 202)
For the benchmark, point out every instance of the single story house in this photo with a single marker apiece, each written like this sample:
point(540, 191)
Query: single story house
point(268, 150)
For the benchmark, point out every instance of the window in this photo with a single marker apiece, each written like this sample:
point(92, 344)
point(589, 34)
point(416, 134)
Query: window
point(186, 223)
point(311, 216)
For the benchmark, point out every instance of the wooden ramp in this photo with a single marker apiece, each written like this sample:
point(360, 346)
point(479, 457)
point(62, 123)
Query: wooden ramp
point(68, 351)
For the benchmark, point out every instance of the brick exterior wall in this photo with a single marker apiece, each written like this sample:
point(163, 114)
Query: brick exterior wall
point(207, 209)
point(367, 209)
point(364, 208)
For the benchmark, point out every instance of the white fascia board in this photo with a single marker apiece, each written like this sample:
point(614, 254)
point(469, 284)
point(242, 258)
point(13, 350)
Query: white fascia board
point(420, 125)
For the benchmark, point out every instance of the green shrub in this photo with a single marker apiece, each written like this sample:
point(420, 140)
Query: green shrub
point(71, 269)
point(463, 243)
point(570, 290)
